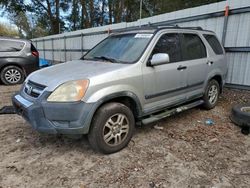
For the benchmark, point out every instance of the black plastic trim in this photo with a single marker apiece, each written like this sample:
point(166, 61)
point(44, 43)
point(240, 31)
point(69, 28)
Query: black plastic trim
point(174, 104)
point(121, 94)
point(237, 49)
point(170, 91)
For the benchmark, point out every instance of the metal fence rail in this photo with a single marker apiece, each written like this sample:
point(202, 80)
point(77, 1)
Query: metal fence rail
point(230, 20)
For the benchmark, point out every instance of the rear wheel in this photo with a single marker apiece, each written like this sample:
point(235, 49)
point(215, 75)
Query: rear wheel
point(112, 128)
point(12, 75)
point(211, 95)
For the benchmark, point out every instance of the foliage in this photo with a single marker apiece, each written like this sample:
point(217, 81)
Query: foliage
point(44, 17)
point(8, 31)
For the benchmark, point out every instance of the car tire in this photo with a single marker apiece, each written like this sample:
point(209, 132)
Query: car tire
point(112, 128)
point(12, 75)
point(240, 115)
point(211, 95)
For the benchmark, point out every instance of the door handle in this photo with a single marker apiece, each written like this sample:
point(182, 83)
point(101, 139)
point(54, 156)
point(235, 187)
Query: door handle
point(210, 62)
point(180, 68)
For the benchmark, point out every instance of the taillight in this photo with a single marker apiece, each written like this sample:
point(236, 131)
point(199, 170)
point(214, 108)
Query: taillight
point(35, 53)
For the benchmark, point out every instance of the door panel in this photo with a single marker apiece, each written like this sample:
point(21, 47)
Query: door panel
point(196, 72)
point(194, 55)
point(168, 80)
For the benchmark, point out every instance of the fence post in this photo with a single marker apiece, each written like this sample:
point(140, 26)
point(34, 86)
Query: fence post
point(225, 25)
point(82, 43)
point(52, 45)
point(65, 48)
point(44, 49)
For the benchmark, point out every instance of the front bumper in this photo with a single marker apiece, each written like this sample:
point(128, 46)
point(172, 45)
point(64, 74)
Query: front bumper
point(55, 118)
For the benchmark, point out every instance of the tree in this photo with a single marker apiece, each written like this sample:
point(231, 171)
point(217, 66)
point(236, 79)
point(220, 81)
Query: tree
point(21, 21)
point(8, 31)
point(74, 16)
point(51, 9)
point(56, 16)
point(13, 6)
point(85, 23)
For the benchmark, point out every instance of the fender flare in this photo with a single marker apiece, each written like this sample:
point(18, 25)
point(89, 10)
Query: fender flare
point(110, 97)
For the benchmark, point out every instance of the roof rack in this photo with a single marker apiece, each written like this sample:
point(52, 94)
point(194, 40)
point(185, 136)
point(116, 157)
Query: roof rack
point(197, 28)
point(177, 26)
point(167, 26)
point(150, 26)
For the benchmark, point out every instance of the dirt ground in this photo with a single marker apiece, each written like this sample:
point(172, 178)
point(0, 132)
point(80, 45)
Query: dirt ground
point(185, 153)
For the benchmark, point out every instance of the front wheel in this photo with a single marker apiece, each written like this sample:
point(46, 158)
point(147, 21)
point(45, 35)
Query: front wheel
point(211, 95)
point(112, 128)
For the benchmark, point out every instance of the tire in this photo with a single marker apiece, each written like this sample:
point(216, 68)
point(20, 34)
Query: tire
point(245, 130)
point(240, 115)
point(116, 122)
point(12, 75)
point(211, 95)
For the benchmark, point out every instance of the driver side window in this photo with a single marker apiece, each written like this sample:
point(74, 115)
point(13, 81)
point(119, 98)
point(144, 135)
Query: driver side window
point(170, 44)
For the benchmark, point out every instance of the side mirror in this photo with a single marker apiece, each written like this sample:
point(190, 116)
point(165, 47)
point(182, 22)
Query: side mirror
point(159, 59)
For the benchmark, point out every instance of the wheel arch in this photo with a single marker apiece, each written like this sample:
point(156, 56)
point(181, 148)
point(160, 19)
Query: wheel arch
point(13, 64)
point(219, 79)
point(127, 98)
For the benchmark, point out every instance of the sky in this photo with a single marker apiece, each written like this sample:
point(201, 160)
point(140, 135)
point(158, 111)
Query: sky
point(3, 17)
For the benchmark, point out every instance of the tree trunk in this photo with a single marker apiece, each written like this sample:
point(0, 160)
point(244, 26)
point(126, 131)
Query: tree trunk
point(92, 12)
point(85, 17)
point(74, 14)
point(57, 22)
point(103, 12)
point(54, 20)
point(110, 3)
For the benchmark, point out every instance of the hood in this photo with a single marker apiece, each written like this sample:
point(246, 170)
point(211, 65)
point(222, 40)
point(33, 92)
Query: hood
point(73, 70)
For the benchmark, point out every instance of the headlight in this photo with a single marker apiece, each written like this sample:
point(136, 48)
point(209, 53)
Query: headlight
point(69, 92)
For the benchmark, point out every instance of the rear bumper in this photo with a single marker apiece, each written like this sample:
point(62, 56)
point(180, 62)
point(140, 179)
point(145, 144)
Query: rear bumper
point(55, 118)
point(31, 67)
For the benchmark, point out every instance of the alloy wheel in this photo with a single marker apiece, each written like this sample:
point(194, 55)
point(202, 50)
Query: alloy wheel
point(213, 94)
point(116, 129)
point(13, 76)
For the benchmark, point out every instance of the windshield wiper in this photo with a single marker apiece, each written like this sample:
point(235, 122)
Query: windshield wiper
point(112, 60)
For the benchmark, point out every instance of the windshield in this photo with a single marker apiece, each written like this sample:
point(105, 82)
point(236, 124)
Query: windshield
point(126, 48)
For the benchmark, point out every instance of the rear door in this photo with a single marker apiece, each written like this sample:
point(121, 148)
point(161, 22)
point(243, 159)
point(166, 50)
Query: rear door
point(194, 54)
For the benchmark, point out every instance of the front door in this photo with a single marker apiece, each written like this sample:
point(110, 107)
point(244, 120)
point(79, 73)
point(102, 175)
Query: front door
point(164, 84)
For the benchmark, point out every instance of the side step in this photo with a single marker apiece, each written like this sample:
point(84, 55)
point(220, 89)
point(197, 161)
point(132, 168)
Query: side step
point(170, 112)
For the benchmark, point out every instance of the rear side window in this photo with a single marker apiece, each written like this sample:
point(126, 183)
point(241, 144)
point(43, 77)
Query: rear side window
point(193, 47)
point(33, 48)
point(11, 46)
point(214, 43)
point(170, 44)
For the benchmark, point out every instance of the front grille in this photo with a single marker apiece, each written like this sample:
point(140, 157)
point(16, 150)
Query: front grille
point(33, 89)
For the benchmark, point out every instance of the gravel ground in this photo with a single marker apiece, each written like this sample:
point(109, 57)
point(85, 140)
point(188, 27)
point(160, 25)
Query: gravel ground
point(184, 153)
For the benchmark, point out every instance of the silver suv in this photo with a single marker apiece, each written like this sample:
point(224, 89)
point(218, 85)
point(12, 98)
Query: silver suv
point(132, 77)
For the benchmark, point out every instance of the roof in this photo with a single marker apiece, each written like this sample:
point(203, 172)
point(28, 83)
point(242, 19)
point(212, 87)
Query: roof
point(15, 39)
